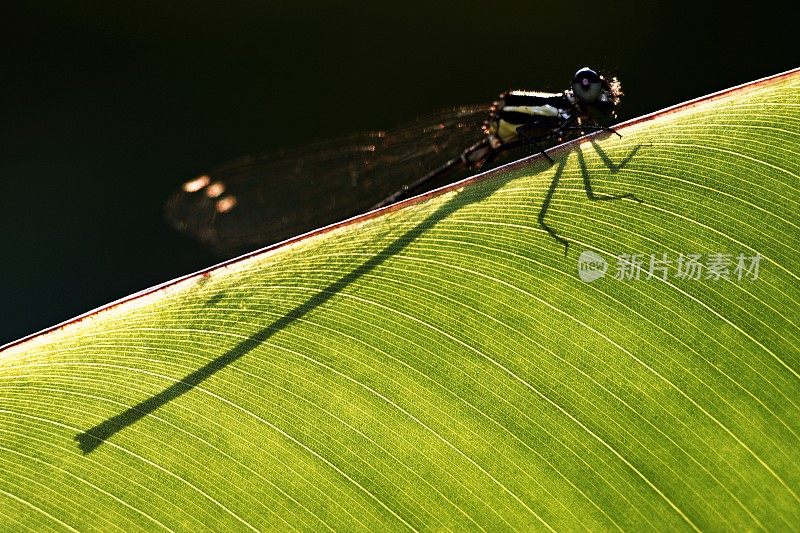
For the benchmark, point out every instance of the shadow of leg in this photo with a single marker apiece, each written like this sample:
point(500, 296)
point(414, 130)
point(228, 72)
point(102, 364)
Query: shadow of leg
point(614, 168)
point(546, 205)
point(587, 186)
point(587, 183)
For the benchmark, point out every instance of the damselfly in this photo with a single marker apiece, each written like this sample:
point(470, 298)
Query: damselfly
point(262, 199)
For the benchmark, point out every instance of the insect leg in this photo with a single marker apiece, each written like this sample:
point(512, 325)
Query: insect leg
point(592, 128)
point(523, 130)
point(493, 153)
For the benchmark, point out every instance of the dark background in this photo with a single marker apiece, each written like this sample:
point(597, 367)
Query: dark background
point(108, 106)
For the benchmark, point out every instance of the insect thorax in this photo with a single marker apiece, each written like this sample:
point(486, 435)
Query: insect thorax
point(542, 113)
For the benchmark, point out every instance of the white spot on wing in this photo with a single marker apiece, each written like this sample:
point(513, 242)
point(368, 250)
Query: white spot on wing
point(196, 184)
point(215, 189)
point(225, 204)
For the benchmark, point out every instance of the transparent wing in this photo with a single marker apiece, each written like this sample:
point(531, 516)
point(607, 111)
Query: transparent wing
point(261, 199)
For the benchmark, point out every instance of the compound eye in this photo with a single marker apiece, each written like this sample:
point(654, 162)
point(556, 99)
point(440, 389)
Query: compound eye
point(585, 76)
point(586, 90)
point(586, 85)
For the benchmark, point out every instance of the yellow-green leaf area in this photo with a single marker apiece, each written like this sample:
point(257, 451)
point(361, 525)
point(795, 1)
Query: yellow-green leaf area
point(443, 365)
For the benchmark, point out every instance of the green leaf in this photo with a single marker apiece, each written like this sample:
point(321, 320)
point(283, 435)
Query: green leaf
point(442, 365)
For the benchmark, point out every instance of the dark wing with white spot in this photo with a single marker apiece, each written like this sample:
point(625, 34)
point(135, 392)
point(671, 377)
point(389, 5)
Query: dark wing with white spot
point(262, 199)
